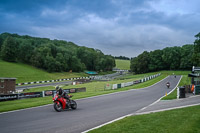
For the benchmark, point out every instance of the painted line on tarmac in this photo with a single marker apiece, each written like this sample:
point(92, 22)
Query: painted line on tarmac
point(142, 113)
point(132, 113)
point(160, 110)
point(84, 98)
point(122, 91)
point(161, 97)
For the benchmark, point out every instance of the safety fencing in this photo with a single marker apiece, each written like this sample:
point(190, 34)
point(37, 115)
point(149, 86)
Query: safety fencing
point(98, 77)
point(122, 85)
point(49, 81)
point(37, 94)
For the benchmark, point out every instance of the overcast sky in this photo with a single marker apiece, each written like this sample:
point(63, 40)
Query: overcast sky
point(116, 27)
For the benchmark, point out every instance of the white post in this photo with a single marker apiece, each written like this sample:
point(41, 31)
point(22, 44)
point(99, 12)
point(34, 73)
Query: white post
point(178, 93)
point(43, 95)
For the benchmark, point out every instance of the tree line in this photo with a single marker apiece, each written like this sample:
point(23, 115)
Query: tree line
point(169, 58)
point(53, 55)
point(122, 57)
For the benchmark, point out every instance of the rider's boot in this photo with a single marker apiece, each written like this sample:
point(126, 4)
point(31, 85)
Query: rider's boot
point(68, 103)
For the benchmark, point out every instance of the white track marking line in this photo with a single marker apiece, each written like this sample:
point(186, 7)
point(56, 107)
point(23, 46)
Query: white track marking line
point(140, 114)
point(137, 112)
point(161, 97)
point(84, 98)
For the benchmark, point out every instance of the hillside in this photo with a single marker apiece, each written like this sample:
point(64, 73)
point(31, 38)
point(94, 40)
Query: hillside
point(27, 73)
point(122, 64)
point(53, 55)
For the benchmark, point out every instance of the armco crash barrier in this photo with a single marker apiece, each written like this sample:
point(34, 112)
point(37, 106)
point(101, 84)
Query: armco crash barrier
point(116, 86)
point(37, 94)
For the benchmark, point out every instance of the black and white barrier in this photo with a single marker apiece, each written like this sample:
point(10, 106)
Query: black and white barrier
point(121, 85)
point(57, 80)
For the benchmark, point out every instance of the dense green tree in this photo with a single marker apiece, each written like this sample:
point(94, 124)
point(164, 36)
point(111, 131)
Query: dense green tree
point(25, 51)
point(143, 62)
point(134, 65)
point(9, 49)
point(171, 58)
point(156, 62)
point(1, 43)
point(122, 57)
point(140, 64)
point(108, 63)
point(196, 54)
point(186, 57)
point(51, 64)
point(54, 55)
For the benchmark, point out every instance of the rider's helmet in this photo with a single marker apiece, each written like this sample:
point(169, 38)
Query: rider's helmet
point(59, 90)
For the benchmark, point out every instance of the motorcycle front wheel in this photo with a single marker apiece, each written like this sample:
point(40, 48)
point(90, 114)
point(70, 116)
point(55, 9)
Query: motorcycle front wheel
point(57, 107)
point(73, 104)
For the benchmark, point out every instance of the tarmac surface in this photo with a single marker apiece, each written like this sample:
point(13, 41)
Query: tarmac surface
point(91, 112)
point(42, 85)
point(163, 105)
point(108, 76)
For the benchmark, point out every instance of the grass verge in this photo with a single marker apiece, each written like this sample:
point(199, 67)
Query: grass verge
point(93, 89)
point(185, 120)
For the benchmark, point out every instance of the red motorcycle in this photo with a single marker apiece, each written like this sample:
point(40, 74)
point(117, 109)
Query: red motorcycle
point(60, 103)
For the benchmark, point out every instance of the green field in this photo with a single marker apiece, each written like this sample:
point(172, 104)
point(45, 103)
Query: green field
point(93, 89)
point(185, 120)
point(97, 87)
point(154, 122)
point(122, 64)
point(27, 73)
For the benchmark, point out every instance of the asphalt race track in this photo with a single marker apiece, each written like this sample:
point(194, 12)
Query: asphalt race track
point(42, 85)
point(90, 113)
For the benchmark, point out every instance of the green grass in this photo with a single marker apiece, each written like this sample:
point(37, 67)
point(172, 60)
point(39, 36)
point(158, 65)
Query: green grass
point(176, 72)
point(96, 86)
point(27, 73)
point(130, 76)
point(122, 64)
point(24, 103)
point(184, 120)
point(93, 89)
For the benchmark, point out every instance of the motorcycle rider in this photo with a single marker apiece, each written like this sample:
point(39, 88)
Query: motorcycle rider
point(168, 84)
point(62, 93)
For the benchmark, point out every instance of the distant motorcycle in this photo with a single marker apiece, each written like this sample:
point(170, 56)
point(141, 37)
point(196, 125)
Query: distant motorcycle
point(168, 85)
point(60, 103)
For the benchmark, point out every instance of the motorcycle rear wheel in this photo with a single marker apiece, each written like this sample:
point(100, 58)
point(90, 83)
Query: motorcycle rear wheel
point(73, 105)
point(58, 107)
